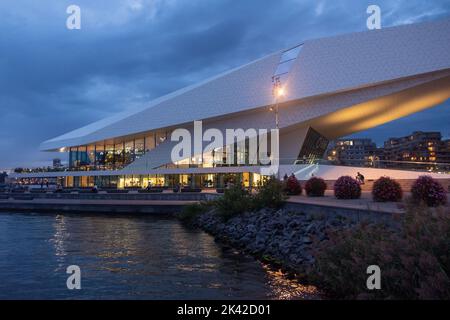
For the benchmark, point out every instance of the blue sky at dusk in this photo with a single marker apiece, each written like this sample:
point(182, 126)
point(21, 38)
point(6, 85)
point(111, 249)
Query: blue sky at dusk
point(128, 52)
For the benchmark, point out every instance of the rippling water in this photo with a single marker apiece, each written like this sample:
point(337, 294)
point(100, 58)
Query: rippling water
point(127, 257)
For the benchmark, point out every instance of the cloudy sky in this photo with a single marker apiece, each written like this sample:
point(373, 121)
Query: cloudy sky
point(128, 52)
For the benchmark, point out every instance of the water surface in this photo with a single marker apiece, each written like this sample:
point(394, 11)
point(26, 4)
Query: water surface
point(127, 257)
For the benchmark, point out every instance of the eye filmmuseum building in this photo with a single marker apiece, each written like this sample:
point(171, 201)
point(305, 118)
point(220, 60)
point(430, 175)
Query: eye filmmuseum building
point(332, 87)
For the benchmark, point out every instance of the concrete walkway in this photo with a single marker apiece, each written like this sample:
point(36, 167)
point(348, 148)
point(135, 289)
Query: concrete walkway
point(364, 203)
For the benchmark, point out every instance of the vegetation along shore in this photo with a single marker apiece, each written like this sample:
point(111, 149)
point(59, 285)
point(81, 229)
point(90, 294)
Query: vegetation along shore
point(333, 251)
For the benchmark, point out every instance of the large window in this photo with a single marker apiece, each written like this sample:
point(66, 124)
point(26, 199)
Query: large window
point(83, 157)
point(119, 155)
point(129, 152)
point(313, 147)
point(208, 159)
point(91, 155)
point(110, 155)
point(149, 142)
point(160, 137)
point(100, 156)
point(139, 148)
point(73, 157)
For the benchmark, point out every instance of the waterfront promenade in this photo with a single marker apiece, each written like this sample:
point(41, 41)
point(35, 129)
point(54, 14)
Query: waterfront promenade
point(132, 202)
point(169, 202)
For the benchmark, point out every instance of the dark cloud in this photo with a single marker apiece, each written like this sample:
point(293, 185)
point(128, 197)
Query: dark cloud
point(128, 52)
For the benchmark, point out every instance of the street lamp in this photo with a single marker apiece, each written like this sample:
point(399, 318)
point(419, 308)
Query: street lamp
point(278, 92)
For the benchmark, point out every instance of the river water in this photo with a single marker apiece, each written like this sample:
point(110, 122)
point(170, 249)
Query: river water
point(127, 257)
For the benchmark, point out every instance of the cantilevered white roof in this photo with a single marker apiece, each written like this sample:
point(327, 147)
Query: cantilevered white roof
point(324, 66)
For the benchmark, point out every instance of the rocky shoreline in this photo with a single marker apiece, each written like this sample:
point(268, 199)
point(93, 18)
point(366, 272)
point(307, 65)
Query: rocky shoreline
point(294, 243)
point(282, 238)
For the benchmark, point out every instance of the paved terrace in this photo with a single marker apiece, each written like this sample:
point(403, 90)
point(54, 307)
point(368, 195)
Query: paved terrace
point(365, 203)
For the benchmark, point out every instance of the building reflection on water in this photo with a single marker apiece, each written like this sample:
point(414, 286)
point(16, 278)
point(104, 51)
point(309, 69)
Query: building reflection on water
point(60, 236)
point(284, 288)
point(158, 258)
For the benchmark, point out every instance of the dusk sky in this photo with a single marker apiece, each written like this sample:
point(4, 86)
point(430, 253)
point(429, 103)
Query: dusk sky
point(128, 52)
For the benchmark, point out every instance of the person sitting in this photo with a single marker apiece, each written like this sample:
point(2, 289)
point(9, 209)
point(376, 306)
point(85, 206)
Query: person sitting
point(94, 189)
point(360, 178)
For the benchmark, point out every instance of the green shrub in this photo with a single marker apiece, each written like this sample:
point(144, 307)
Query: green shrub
point(270, 195)
point(191, 211)
point(414, 260)
point(315, 187)
point(235, 200)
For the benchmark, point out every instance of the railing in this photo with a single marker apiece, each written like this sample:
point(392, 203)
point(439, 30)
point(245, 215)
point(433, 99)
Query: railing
point(441, 167)
point(384, 164)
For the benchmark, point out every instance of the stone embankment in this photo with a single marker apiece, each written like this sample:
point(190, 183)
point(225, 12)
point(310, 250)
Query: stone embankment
point(280, 237)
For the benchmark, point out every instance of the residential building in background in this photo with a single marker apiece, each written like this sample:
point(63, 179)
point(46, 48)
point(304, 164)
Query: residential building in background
point(57, 163)
point(419, 150)
point(3, 176)
point(443, 153)
point(353, 152)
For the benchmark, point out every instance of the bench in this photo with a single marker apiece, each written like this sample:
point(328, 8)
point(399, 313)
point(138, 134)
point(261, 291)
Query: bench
point(153, 190)
point(191, 190)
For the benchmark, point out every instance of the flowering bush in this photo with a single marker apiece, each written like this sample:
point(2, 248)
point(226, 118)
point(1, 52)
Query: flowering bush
point(386, 189)
point(293, 186)
point(347, 188)
point(426, 189)
point(315, 187)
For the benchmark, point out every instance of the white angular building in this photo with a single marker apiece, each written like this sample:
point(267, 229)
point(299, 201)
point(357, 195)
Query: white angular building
point(332, 87)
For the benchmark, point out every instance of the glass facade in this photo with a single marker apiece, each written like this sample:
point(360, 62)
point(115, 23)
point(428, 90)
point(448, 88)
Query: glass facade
point(110, 155)
point(217, 180)
point(313, 147)
point(228, 156)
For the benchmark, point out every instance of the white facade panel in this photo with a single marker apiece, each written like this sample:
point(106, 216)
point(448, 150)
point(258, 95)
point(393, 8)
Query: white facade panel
point(374, 61)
